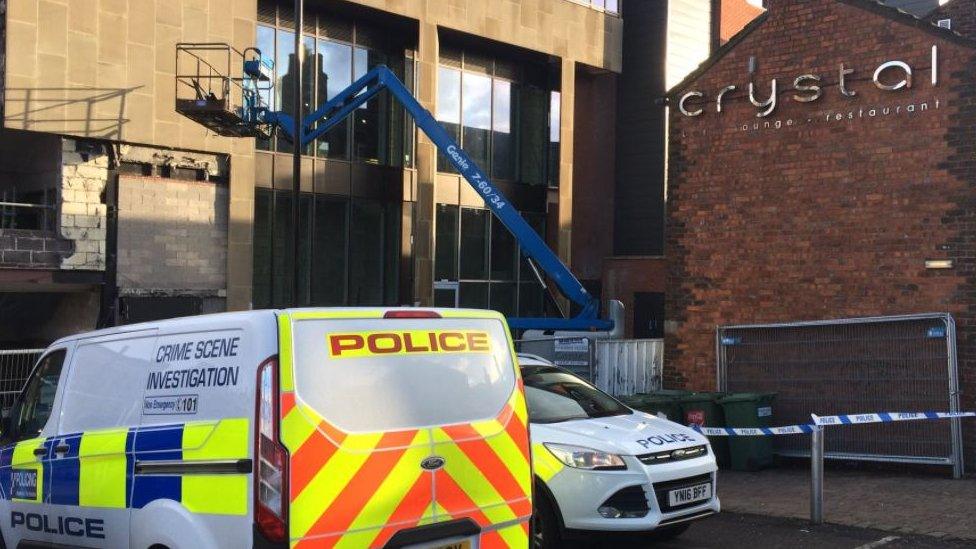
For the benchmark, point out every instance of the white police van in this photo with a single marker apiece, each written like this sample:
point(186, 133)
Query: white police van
point(603, 467)
point(301, 428)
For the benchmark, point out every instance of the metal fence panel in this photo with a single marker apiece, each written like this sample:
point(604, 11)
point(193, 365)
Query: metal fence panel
point(15, 366)
point(882, 364)
point(629, 366)
point(572, 353)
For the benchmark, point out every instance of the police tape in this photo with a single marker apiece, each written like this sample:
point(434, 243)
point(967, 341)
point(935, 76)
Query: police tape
point(753, 431)
point(821, 421)
point(886, 417)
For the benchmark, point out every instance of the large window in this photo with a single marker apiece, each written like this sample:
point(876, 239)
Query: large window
point(500, 119)
point(477, 252)
point(349, 250)
point(334, 55)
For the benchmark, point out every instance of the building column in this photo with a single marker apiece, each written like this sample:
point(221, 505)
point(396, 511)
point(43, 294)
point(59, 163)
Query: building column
point(240, 218)
point(567, 104)
point(240, 224)
point(423, 223)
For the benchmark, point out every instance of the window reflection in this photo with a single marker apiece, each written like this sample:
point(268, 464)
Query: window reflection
point(337, 59)
point(498, 121)
point(370, 134)
point(284, 71)
point(554, 125)
point(329, 67)
point(502, 136)
point(476, 116)
point(448, 110)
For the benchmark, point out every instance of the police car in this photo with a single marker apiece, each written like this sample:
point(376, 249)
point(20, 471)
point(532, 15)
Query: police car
point(603, 467)
point(303, 428)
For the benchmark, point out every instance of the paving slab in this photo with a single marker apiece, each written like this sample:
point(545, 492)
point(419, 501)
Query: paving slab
point(894, 502)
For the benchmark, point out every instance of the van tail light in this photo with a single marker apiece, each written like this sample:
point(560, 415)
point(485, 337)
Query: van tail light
point(412, 313)
point(271, 472)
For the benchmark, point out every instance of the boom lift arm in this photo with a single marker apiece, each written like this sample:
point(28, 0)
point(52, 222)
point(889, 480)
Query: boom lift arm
point(333, 112)
point(257, 116)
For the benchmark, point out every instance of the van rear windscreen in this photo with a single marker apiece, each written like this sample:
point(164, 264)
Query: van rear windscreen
point(369, 375)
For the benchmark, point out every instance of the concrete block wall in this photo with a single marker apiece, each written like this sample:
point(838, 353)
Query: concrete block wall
point(30, 249)
point(172, 236)
point(84, 176)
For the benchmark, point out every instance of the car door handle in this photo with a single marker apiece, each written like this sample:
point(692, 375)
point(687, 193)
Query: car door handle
point(61, 449)
point(40, 451)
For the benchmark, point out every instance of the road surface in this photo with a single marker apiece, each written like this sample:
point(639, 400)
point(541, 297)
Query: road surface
point(728, 530)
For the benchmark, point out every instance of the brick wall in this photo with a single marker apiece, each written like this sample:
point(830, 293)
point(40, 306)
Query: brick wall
point(961, 14)
point(824, 217)
point(172, 236)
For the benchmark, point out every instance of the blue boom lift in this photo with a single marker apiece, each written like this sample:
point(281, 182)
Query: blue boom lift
point(237, 107)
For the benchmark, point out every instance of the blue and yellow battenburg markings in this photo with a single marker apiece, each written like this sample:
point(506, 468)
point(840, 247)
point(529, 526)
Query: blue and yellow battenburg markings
point(98, 470)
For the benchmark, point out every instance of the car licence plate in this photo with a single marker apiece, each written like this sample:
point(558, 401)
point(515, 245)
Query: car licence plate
point(691, 494)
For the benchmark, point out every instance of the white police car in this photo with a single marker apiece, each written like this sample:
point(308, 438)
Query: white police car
point(603, 467)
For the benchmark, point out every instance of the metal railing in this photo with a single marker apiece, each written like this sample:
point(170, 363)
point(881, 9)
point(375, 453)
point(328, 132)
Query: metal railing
point(852, 366)
point(18, 213)
point(608, 6)
point(616, 366)
point(629, 366)
point(15, 367)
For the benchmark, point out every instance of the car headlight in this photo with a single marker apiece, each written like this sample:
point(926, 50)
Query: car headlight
point(586, 458)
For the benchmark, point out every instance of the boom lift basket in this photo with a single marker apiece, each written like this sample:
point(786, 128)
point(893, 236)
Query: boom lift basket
point(208, 93)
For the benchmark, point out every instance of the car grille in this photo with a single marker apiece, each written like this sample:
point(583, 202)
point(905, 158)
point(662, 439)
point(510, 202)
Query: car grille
point(673, 455)
point(631, 501)
point(661, 490)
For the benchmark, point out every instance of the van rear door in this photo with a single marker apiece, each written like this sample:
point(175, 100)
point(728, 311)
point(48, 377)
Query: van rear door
point(396, 423)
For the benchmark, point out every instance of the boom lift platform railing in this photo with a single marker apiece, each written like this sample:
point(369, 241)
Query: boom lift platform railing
point(214, 106)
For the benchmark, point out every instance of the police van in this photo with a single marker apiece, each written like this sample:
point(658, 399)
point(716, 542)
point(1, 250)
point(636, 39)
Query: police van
point(302, 428)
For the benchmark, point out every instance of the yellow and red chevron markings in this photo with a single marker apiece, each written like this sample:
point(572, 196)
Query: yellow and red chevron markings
point(358, 490)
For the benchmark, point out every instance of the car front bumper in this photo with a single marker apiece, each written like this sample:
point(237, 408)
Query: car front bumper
point(579, 494)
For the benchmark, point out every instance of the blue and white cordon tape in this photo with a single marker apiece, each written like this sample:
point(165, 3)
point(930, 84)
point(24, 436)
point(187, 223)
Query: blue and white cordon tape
point(821, 421)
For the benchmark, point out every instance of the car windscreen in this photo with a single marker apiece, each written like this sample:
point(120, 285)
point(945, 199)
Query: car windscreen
point(378, 375)
point(554, 395)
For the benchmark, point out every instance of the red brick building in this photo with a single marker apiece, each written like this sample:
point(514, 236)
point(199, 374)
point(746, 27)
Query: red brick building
point(827, 201)
point(957, 15)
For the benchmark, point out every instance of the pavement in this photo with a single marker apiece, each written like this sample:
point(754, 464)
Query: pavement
point(897, 503)
point(730, 531)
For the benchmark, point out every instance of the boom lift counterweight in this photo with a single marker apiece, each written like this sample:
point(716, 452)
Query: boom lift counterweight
point(254, 117)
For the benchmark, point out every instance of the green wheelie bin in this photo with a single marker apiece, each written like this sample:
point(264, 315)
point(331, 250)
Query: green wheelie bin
point(749, 410)
point(659, 403)
point(703, 410)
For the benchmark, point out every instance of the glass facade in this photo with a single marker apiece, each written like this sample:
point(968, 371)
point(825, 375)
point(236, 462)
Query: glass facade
point(477, 252)
point(334, 54)
point(349, 250)
point(500, 119)
point(504, 114)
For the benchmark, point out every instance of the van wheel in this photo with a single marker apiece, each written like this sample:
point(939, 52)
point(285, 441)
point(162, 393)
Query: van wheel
point(545, 524)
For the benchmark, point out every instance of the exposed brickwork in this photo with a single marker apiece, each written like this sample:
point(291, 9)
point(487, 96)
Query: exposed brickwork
point(172, 235)
point(32, 249)
point(961, 13)
point(84, 175)
point(823, 219)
